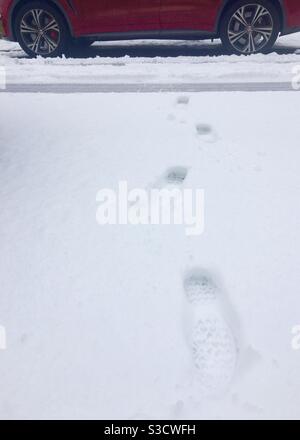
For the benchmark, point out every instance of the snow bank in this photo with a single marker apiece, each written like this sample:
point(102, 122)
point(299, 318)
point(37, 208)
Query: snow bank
point(154, 61)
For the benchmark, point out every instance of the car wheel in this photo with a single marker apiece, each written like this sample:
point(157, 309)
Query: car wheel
point(249, 27)
point(41, 30)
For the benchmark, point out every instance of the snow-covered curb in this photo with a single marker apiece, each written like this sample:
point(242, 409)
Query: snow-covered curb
point(139, 69)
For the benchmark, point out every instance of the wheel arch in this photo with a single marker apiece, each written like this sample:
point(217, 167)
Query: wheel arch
point(17, 4)
point(227, 3)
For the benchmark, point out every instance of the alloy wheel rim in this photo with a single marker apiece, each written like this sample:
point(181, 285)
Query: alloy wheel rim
point(250, 28)
point(40, 31)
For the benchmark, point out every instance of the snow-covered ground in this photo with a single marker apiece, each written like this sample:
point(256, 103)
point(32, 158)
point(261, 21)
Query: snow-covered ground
point(95, 315)
point(99, 320)
point(153, 61)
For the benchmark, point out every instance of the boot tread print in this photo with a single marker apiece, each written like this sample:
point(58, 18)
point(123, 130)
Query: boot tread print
point(214, 349)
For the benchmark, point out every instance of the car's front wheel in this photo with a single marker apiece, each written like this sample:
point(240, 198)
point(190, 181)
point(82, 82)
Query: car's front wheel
point(250, 26)
point(41, 30)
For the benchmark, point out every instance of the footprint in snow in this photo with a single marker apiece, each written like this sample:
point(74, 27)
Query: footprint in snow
point(173, 176)
point(213, 345)
point(206, 132)
point(183, 100)
point(176, 175)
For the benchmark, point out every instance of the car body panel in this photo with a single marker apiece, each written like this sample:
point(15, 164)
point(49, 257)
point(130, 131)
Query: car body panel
point(117, 15)
point(189, 14)
point(292, 13)
point(156, 18)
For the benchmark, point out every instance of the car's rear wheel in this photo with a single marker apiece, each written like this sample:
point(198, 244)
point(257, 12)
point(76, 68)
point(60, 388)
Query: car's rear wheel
point(41, 30)
point(250, 26)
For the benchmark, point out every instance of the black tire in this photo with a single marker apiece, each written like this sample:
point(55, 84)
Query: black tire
point(38, 15)
point(240, 39)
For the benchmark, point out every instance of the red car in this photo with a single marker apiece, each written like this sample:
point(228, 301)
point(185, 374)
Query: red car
point(52, 27)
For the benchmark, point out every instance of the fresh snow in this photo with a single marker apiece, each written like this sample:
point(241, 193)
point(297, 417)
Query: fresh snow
point(143, 321)
point(104, 321)
point(152, 62)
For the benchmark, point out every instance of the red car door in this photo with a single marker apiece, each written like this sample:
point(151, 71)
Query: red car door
point(118, 15)
point(189, 14)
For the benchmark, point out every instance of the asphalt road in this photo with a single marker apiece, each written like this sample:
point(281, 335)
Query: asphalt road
point(149, 88)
